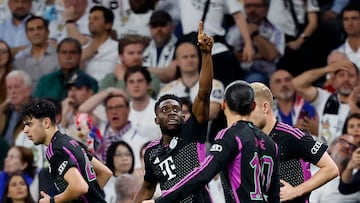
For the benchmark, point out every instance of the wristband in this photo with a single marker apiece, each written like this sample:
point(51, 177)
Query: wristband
point(69, 21)
point(52, 200)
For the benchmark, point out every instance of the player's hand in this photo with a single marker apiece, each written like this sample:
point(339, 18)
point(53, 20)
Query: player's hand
point(287, 191)
point(205, 42)
point(45, 198)
point(148, 201)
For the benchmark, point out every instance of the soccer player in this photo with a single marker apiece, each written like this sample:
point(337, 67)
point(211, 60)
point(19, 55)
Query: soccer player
point(78, 176)
point(246, 157)
point(182, 146)
point(297, 150)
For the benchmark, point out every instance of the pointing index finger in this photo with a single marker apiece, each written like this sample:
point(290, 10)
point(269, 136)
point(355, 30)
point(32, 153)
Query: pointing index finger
point(201, 27)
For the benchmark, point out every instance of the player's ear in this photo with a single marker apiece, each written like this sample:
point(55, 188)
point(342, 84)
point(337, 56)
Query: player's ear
point(156, 120)
point(46, 123)
point(223, 104)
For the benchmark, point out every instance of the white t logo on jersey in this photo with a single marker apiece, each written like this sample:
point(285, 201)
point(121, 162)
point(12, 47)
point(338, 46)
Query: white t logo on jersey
point(167, 166)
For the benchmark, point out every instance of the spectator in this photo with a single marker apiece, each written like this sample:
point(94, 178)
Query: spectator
point(350, 180)
point(120, 160)
point(134, 21)
point(160, 52)
point(52, 85)
point(298, 21)
point(352, 126)
point(14, 35)
point(17, 190)
point(117, 126)
point(79, 89)
point(18, 159)
point(137, 81)
point(126, 187)
point(100, 54)
point(332, 109)
point(340, 151)
point(72, 22)
point(5, 68)
point(39, 58)
point(268, 42)
point(131, 50)
point(289, 107)
point(351, 25)
point(186, 107)
point(18, 85)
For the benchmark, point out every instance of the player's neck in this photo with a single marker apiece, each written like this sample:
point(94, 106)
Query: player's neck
point(270, 123)
point(50, 134)
point(231, 119)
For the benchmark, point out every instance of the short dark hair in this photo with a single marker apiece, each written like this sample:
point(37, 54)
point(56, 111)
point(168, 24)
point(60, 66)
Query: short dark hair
point(166, 97)
point(140, 69)
point(107, 13)
point(39, 109)
point(111, 152)
point(70, 41)
point(352, 6)
point(239, 97)
point(131, 39)
point(44, 21)
point(354, 115)
point(112, 96)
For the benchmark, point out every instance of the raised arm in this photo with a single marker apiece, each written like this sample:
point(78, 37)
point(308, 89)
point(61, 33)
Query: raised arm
point(348, 184)
point(201, 104)
point(303, 83)
point(89, 105)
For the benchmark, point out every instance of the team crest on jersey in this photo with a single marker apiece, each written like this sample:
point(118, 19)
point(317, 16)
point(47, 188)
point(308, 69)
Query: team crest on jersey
point(167, 167)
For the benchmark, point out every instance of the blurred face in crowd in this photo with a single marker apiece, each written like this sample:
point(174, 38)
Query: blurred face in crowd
point(342, 150)
point(36, 32)
point(187, 58)
point(281, 86)
point(161, 34)
point(78, 5)
point(255, 10)
point(137, 86)
point(4, 55)
point(351, 23)
point(353, 128)
point(13, 162)
point(69, 56)
point(17, 189)
point(97, 23)
point(132, 55)
point(345, 81)
point(186, 111)
point(20, 8)
point(117, 112)
point(17, 91)
point(122, 160)
point(79, 94)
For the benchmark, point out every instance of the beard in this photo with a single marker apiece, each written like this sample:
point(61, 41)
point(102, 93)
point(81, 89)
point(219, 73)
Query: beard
point(19, 17)
point(286, 95)
point(171, 132)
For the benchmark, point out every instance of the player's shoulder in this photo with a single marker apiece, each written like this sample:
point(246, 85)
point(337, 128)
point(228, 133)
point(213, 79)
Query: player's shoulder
point(288, 130)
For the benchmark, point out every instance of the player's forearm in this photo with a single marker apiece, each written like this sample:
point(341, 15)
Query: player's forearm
point(103, 173)
point(71, 193)
point(328, 170)
point(206, 76)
